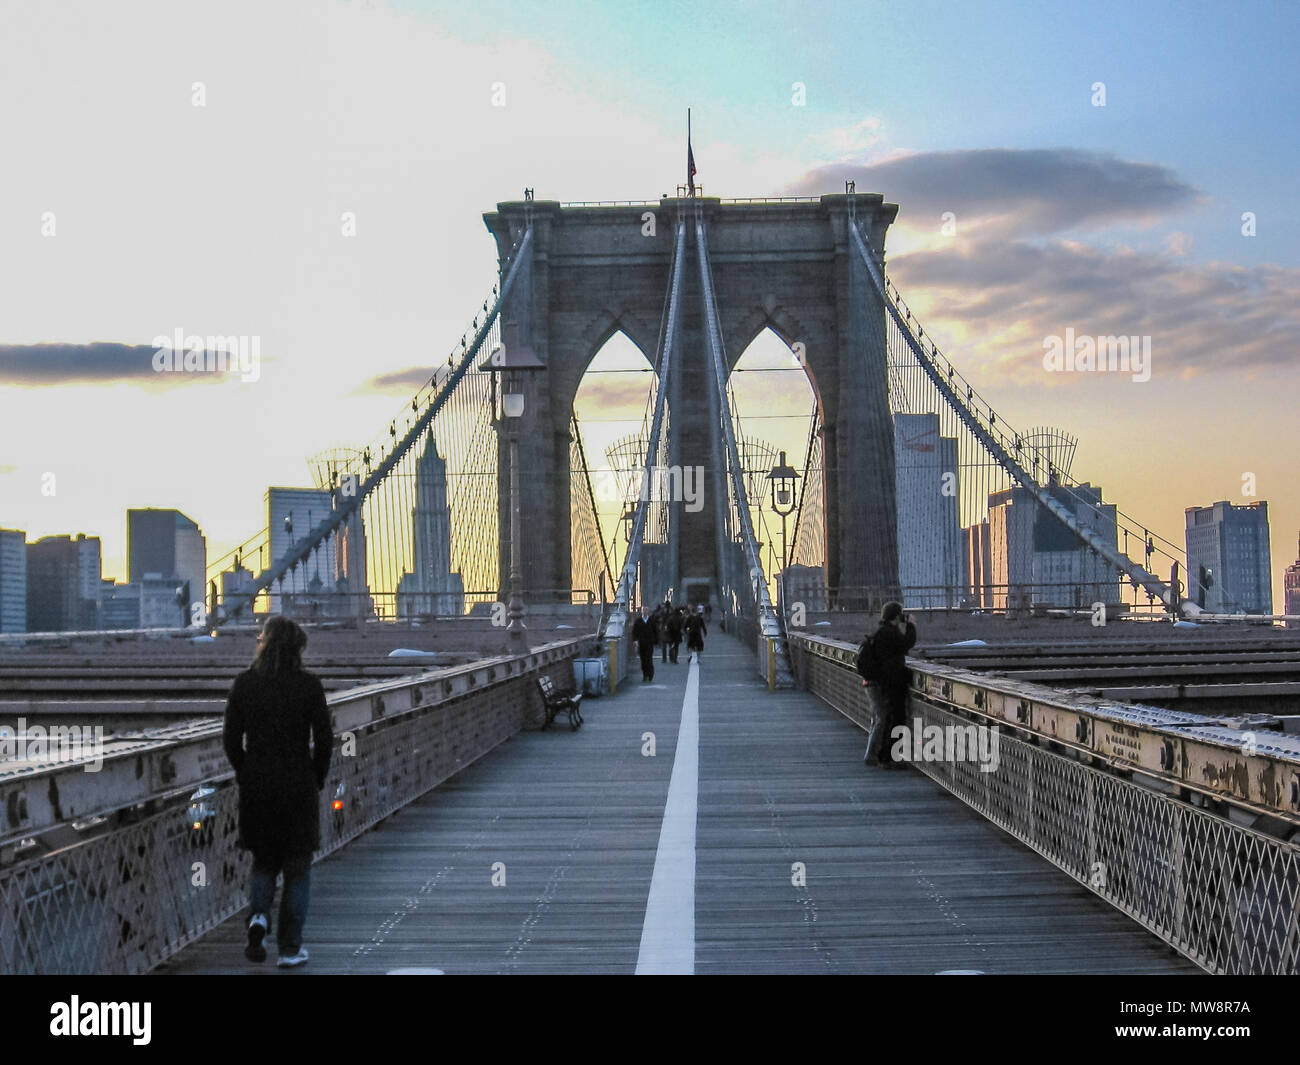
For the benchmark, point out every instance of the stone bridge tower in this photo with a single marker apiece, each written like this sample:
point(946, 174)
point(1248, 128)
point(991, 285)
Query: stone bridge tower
point(785, 265)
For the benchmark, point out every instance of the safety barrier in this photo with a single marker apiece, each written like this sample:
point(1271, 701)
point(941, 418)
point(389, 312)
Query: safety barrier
point(1142, 806)
point(160, 873)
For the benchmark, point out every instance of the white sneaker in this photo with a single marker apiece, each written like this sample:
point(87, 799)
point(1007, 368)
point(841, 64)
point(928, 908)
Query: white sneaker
point(293, 959)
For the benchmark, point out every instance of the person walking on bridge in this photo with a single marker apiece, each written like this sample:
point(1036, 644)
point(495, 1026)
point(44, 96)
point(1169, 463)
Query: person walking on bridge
point(882, 660)
point(645, 634)
point(277, 736)
point(662, 613)
point(696, 630)
point(674, 633)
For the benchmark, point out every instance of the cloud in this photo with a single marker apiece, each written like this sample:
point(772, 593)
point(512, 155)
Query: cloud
point(403, 382)
point(852, 139)
point(623, 396)
point(1013, 192)
point(996, 301)
point(100, 362)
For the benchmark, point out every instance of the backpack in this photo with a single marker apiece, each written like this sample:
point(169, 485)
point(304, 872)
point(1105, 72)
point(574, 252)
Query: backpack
point(868, 662)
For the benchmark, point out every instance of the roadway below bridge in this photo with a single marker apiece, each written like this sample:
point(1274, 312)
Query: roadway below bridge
point(763, 846)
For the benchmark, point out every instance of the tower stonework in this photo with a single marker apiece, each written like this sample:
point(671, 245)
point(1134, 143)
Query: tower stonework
point(789, 266)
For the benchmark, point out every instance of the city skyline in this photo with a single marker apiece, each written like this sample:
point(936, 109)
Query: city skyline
point(1124, 219)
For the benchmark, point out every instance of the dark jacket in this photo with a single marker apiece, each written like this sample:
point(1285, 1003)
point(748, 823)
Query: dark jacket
point(891, 647)
point(674, 627)
point(269, 721)
point(696, 630)
point(645, 630)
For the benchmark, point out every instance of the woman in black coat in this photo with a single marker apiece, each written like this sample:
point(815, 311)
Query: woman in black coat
point(696, 630)
point(278, 738)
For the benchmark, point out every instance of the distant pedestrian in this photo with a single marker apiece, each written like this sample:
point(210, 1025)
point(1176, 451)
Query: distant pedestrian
point(661, 628)
point(277, 736)
point(674, 633)
point(882, 660)
point(696, 630)
point(645, 636)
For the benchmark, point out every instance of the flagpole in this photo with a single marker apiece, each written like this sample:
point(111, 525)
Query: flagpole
point(690, 160)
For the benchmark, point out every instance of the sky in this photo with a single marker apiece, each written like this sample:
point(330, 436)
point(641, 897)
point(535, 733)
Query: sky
point(128, 212)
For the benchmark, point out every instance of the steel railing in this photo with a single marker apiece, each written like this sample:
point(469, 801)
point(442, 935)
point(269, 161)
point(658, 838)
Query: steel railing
point(1093, 787)
point(125, 900)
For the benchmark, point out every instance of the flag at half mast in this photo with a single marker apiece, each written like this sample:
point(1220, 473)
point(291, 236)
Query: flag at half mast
point(690, 158)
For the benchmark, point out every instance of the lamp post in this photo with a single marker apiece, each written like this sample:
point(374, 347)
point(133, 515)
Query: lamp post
point(782, 479)
point(627, 519)
point(513, 361)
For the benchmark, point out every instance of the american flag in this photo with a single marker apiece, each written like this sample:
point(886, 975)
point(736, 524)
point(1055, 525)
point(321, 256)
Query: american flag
point(690, 157)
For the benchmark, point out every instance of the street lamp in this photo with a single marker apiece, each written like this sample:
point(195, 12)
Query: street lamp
point(514, 361)
point(783, 477)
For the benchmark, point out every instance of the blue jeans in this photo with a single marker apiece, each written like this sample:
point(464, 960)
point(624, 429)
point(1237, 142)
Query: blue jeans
point(293, 903)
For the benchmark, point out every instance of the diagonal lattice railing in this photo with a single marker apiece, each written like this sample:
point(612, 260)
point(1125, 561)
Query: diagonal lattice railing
point(150, 882)
point(1224, 894)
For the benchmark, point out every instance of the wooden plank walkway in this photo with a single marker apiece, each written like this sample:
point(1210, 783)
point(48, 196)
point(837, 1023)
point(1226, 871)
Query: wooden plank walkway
point(900, 876)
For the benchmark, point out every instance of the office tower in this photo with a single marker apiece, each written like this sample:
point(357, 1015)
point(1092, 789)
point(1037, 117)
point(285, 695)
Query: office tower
point(977, 551)
point(13, 580)
point(1036, 560)
point(930, 562)
point(291, 513)
point(119, 605)
point(165, 544)
point(1228, 558)
point(63, 577)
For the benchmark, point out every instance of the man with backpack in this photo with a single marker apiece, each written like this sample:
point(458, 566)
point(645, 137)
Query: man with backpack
point(882, 661)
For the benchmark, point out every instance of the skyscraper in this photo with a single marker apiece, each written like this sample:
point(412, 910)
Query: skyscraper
point(930, 562)
point(63, 579)
point(977, 550)
point(1037, 560)
point(1228, 558)
point(13, 580)
point(432, 588)
point(304, 508)
point(166, 544)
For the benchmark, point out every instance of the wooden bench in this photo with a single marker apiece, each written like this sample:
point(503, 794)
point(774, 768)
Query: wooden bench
point(560, 702)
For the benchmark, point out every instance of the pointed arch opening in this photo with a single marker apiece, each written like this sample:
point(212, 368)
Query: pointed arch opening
point(777, 407)
point(610, 430)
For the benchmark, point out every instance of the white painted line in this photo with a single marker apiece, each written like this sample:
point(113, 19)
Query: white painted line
point(668, 935)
